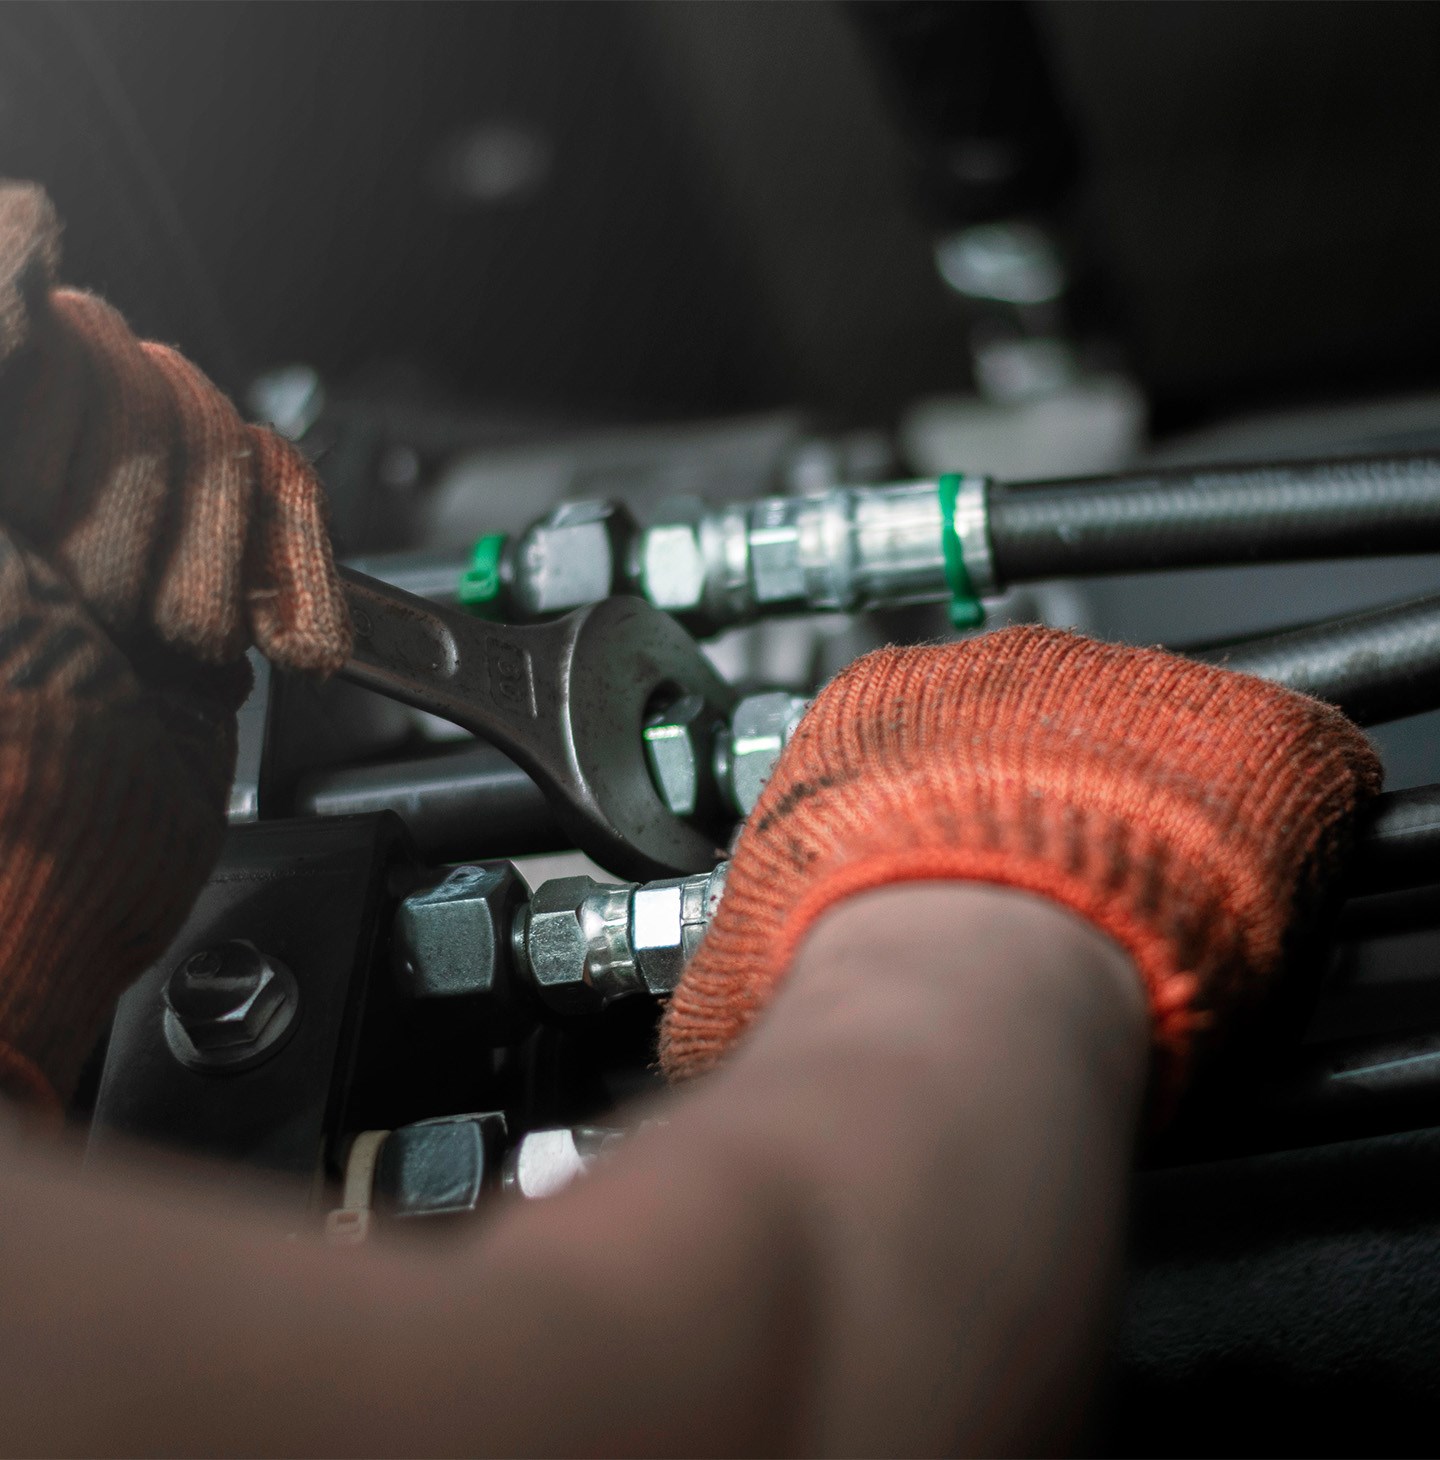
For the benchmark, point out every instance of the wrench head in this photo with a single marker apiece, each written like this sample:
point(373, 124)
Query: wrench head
point(624, 656)
point(566, 699)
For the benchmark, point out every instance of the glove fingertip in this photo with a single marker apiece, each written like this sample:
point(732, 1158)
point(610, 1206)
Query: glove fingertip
point(29, 261)
point(296, 604)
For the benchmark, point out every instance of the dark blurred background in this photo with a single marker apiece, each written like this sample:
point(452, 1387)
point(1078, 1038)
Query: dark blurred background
point(648, 210)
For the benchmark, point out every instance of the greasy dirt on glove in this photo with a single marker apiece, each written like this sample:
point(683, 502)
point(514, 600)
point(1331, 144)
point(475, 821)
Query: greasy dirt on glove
point(1188, 812)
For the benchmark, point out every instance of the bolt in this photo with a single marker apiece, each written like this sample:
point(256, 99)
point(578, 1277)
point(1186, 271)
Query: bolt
point(668, 920)
point(680, 748)
point(671, 567)
point(576, 555)
point(575, 941)
point(760, 728)
point(228, 1007)
point(453, 950)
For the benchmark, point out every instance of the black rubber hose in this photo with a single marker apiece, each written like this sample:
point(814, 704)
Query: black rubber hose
point(472, 802)
point(1399, 846)
point(1382, 664)
point(1216, 515)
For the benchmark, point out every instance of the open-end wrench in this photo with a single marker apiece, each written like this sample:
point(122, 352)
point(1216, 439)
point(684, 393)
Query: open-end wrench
point(567, 700)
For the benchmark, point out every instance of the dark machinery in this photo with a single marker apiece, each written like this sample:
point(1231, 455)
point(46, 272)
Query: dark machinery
point(402, 988)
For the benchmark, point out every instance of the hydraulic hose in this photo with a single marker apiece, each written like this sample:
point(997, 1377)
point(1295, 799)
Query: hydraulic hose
point(1399, 845)
point(1216, 515)
point(1382, 664)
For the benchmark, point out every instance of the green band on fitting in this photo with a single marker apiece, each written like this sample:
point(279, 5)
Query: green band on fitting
point(479, 584)
point(966, 610)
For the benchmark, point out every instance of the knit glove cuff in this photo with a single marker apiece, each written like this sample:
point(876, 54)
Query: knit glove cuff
point(1189, 813)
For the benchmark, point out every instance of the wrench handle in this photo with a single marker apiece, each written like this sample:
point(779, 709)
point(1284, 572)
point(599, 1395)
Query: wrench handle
point(479, 675)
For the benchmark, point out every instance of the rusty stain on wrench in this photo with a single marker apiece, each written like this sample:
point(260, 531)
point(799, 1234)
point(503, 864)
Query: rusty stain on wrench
point(566, 700)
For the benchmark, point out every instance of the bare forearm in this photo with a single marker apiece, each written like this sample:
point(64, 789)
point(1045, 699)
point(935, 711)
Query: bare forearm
point(889, 1224)
point(960, 1070)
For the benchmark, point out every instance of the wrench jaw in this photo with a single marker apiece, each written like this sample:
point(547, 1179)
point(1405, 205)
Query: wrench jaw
point(624, 654)
point(566, 700)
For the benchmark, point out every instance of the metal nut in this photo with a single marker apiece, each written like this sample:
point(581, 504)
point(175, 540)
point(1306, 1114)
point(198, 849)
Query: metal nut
point(671, 567)
point(680, 749)
point(760, 728)
point(454, 941)
point(574, 556)
point(547, 1161)
point(668, 920)
point(576, 941)
point(228, 1007)
point(777, 568)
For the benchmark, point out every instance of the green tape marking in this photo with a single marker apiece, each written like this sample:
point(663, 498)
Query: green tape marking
point(479, 585)
point(966, 610)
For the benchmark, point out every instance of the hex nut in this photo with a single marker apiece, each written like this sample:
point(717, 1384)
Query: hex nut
point(668, 920)
point(671, 567)
point(575, 555)
point(440, 1167)
point(576, 941)
point(760, 728)
point(680, 750)
point(453, 942)
point(229, 1007)
point(777, 568)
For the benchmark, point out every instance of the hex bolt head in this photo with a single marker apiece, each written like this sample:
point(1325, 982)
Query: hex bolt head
point(229, 1007)
point(576, 944)
point(760, 728)
point(578, 554)
point(453, 943)
point(671, 567)
point(680, 750)
point(667, 922)
point(556, 945)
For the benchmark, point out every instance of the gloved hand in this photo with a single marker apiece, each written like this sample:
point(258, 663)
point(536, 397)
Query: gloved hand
point(1190, 813)
point(147, 538)
point(121, 464)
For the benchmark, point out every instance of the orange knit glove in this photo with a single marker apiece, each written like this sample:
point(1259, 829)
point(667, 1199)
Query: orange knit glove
point(112, 807)
point(1189, 812)
point(130, 472)
point(147, 538)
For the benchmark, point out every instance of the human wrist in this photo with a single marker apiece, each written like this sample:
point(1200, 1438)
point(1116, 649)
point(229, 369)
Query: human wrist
point(958, 943)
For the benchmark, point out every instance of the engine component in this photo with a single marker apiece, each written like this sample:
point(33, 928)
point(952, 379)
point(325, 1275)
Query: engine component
point(547, 1161)
point(852, 548)
point(468, 802)
point(845, 549)
point(694, 760)
point(681, 744)
point(229, 1007)
point(584, 944)
point(438, 1168)
point(760, 729)
point(566, 700)
point(455, 942)
point(317, 894)
point(572, 556)
point(573, 948)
